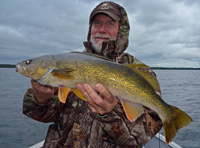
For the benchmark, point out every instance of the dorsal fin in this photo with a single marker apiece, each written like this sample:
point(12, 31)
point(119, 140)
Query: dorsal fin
point(94, 55)
point(144, 71)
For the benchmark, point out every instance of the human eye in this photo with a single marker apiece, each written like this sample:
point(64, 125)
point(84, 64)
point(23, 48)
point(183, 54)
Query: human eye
point(111, 23)
point(97, 22)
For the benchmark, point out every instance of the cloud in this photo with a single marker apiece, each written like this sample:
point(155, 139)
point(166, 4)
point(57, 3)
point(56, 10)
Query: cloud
point(163, 33)
point(168, 29)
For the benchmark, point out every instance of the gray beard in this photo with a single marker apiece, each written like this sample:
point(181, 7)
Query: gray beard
point(97, 47)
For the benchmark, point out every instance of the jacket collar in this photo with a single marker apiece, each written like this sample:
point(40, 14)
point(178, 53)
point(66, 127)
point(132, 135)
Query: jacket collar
point(108, 49)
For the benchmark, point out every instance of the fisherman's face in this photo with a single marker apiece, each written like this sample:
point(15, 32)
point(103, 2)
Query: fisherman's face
point(103, 28)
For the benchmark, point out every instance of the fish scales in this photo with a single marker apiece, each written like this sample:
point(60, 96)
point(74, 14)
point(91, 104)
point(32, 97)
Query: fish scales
point(135, 88)
point(104, 72)
point(118, 76)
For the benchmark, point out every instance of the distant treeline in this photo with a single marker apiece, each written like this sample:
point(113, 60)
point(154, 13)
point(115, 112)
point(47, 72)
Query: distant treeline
point(7, 66)
point(174, 68)
point(167, 68)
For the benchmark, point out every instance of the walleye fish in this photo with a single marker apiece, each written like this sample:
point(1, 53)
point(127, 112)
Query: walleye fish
point(135, 88)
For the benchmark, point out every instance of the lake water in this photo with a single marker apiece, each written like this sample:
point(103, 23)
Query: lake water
point(180, 88)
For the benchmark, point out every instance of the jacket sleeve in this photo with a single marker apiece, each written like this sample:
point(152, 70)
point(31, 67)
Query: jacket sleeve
point(127, 133)
point(41, 112)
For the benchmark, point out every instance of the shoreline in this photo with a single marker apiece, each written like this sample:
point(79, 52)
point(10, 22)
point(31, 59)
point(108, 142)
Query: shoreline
point(154, 68)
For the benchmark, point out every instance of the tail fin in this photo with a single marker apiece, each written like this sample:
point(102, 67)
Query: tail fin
point(178, 120)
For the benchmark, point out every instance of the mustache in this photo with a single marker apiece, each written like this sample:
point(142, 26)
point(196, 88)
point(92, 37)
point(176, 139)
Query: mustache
point(98, 35)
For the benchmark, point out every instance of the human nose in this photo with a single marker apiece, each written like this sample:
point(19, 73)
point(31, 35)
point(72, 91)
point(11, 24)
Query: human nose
point(102, 29)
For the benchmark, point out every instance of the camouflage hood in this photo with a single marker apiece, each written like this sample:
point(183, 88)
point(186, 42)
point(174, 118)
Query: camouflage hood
point(112, 49)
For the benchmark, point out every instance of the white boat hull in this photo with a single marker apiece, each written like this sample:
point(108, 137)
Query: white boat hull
point(157, 142)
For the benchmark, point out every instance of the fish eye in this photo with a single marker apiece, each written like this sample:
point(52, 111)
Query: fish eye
point(28, 62)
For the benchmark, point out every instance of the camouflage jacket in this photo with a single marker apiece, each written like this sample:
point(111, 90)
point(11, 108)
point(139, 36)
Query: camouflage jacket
point(74, 125)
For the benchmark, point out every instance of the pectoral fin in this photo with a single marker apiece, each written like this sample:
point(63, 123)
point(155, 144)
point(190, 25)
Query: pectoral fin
point(64, 73)
point(79, 94)
point(132, 110)
point(62, 93)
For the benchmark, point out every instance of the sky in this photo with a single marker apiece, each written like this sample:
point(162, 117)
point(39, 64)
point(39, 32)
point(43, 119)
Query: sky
point(163, 33)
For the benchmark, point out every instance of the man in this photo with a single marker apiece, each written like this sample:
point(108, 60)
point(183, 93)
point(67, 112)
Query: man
point(100, 122)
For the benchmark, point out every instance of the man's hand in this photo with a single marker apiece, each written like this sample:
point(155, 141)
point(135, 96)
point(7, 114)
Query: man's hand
point(100, 101)
point(41, 92)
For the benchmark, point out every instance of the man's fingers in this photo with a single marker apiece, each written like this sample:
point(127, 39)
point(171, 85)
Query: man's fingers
point(100, 103)
point(91, 95)
point(81, 88)
point(33, 82)
point(42, 92)
point(96, 101)
point(108, 97)
point(41, 88)
point(93, 109)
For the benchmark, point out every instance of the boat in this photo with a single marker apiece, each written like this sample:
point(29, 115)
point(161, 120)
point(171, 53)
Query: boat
point(159, 142)
point(156, 142)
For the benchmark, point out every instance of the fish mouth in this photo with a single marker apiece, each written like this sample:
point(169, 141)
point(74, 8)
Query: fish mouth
point(20, 68)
